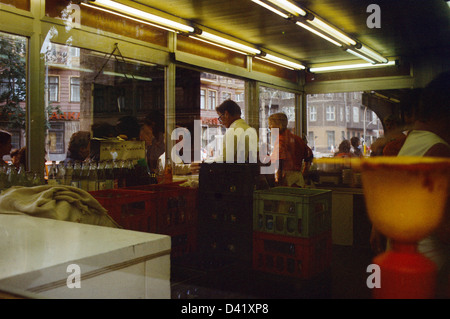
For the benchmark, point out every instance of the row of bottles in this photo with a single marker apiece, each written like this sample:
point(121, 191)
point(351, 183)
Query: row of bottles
point(102, 175)
point(11, 176)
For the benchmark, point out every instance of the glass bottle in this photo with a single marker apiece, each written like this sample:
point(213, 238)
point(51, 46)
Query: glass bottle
point(61, 174)
point(101, 181)
point(93, 177)
point(22, 179)
point(76, 175)
point(52, 173)
point(84, 177)
point(109, 176)
point(69, 174)
point(116, 174)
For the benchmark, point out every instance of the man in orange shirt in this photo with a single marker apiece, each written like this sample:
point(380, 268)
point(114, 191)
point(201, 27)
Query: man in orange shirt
point(292, 152)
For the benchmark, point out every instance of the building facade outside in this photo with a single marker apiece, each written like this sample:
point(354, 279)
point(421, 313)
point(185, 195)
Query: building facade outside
point(334, 117)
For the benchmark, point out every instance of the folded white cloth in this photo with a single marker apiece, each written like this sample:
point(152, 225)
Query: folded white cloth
point(61, 202)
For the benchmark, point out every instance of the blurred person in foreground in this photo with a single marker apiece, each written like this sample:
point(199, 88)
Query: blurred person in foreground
point(430, 136)
point(294, 156)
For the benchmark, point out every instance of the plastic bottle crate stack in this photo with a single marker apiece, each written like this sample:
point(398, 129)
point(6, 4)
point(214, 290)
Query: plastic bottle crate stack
point(297, 257)
point(292, 231)
point(133, 210)
point(225, 209)
point(291, 211)
point(176, 215)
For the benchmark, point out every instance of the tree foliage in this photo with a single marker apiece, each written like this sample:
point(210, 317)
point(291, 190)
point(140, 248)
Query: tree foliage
point(13, 86)
point(13, 81)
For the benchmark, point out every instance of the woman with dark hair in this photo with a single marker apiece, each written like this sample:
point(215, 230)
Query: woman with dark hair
point(5, 146)
point(79, 147)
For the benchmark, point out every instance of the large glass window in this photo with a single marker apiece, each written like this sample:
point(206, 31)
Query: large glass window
point(212, 131)
point(273, 101)
point(87, 87)
point(326, 130)
point(13, 87)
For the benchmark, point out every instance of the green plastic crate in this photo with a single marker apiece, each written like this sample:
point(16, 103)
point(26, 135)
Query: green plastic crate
point(291, 211)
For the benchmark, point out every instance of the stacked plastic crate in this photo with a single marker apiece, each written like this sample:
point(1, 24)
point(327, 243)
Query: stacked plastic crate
point(226, 209)
point(133, 210)
point(292, 231)
point(176, 215)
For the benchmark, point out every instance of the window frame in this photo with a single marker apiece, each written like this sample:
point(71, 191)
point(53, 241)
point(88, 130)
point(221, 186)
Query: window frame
point(50, 85)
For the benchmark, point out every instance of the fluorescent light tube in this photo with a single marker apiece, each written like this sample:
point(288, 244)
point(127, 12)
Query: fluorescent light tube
point(321, 25)
point(143, 15)
point(318, 33)
point(289, 7)
point(361, 56)
point(265, 5)
point(228, 43)
point(283, 62)
point(372, 54)
point(349, 67)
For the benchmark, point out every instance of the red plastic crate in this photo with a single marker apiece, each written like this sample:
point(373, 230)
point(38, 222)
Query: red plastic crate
point(177, 208)
point(298, 257)
point(131, 209)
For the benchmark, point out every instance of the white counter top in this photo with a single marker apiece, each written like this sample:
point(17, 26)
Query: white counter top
point(35, 253)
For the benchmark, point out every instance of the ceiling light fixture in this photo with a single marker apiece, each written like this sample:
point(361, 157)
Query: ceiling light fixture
point(215, 39)
point(289, 7)
point(334, 68)
point(318, 33)
point(328, 29)
point(370, 53)
point(321, 28)
point(280, 61)
point(136, 13)
point(265, 5)
point(359, 55)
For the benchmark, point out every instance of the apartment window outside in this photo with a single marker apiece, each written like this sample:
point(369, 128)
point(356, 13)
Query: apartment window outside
point(331, 140)
point(226, 96)
point(239, 97)
point(355, 114)
point(202, 99)
point(53, 88)
point(212, 98)
point(74, 89)
point(330, 113)
point(312, 113)
point(56, 138)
